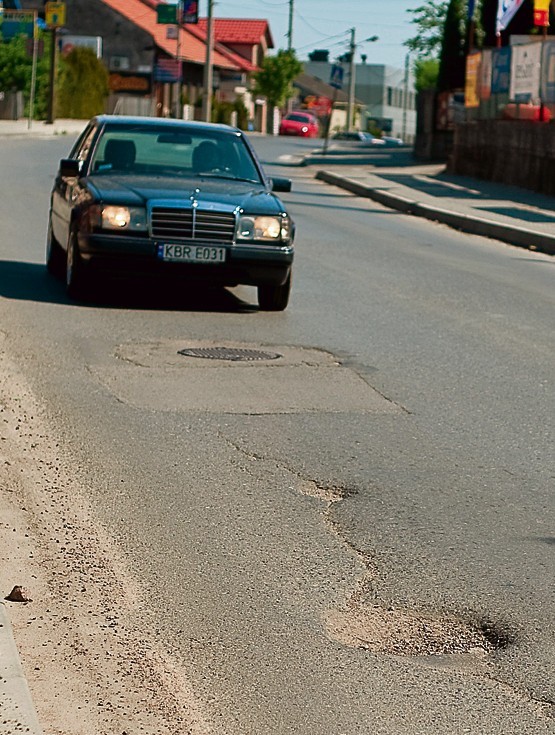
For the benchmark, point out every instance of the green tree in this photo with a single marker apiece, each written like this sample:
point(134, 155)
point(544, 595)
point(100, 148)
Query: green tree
point(425, 74)
point(274, 80)
point(82, 85)
point(16, 65)
point(429, 20)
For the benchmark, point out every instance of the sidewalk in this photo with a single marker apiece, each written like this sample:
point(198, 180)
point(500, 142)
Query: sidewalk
point(16, 705)
point(391, 177)
point(39, 128)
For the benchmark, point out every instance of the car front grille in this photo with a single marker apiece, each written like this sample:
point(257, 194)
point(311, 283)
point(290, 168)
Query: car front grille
point(169, 223)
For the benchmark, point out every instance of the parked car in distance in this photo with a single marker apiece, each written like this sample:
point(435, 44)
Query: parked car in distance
point(300, 123)
point(357, 136)
point(392, 141)
point(163, 197)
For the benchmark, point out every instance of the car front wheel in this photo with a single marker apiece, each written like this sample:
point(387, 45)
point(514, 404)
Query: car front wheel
point(75, 270)
point(274, 298)
point(54, 254)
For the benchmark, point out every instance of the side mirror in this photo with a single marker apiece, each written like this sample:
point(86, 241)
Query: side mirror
point(281, 184)
point(69, 167)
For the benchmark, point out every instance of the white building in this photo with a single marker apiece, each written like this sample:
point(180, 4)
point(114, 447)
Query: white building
point(387, 92)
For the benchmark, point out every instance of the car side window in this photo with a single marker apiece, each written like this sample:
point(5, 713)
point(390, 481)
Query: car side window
point(83, 151)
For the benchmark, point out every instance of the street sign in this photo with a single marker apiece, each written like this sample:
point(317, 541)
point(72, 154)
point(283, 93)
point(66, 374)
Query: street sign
point(17, 23)
point(185, 10)
point(166, 14)
point(189, 12)
point(55, 14)
point(336, 76)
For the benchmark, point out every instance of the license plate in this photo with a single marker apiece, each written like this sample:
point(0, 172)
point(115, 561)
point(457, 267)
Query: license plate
point(191, 253)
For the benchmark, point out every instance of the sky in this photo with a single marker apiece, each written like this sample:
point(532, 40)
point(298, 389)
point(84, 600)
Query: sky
point(326, 24)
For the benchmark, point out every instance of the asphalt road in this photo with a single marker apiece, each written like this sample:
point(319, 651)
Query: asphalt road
point(309, 530)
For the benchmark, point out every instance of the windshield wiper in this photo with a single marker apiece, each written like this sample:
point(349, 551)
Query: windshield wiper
point(215, 175)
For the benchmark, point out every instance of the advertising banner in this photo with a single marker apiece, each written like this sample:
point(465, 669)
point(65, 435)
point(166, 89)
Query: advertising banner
point(69, 42)
point(548, 72)
point(506, 10)
point(525, 72)
point(500, 70)
point(541, 12)
point(471, 97)
point(484, 85)
point(167, 70)
point(122, 82)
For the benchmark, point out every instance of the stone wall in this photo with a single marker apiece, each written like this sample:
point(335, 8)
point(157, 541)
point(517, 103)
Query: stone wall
point(513, 152)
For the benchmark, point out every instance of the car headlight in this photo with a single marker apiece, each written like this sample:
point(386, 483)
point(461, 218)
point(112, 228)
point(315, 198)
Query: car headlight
point(263, 228)
point(113, 217)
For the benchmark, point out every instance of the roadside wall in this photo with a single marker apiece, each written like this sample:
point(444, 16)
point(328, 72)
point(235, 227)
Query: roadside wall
point(514, 152)
point(431, 143)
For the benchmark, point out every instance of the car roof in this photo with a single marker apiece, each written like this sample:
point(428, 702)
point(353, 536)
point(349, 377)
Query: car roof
point(124, 120)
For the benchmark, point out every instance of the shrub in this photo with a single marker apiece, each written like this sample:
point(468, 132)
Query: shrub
point(83, 85)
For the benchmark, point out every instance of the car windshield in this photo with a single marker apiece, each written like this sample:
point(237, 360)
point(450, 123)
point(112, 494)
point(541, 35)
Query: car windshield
point(165, 151)
point(298, 118)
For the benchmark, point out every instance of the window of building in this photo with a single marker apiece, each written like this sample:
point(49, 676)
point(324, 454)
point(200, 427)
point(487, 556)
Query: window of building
point(120, 63)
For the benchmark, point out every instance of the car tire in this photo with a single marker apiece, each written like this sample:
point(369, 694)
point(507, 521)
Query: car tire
point(76, 279)
point(274, 298)
point(55, 256)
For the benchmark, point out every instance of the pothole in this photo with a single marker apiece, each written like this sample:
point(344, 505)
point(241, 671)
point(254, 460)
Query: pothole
point(408, 633)
point(231, 354)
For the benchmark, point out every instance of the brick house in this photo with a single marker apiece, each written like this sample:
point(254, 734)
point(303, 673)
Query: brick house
point(143, 56)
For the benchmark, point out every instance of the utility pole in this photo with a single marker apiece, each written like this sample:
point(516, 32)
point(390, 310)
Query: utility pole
point(179, 86)
point(405, 98)
point(207, 78)
point(51, 77)
point(352, 72)
point(290, 31)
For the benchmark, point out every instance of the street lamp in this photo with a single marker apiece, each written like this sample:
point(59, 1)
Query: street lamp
point(352, 72)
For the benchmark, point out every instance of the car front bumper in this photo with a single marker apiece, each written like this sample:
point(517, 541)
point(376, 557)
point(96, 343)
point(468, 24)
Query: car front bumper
point(256, 264)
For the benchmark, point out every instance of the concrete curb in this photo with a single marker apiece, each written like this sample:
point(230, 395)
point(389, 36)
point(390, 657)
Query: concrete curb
point(17, 709)
point(519, 236)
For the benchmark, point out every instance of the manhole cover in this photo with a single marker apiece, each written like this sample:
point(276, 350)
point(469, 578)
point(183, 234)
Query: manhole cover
point(228, 353)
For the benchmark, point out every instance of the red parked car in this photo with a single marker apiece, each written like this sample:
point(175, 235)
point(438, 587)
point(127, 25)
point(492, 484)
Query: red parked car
point(300, 123)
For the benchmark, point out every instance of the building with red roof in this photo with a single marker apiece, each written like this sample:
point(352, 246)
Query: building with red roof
point(145, 58)
point(248, 37)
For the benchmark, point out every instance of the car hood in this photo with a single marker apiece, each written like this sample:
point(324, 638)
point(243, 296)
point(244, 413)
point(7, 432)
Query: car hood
point(221, 194)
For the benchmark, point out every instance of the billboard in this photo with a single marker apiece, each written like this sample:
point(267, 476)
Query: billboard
point(501, 70)
point(69, 42)
point(525, 72)
point(548, 72)
point(471, 97)
point(485, 75)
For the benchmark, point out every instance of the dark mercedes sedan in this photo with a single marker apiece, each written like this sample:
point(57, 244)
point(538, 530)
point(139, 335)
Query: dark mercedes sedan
point(169, 198)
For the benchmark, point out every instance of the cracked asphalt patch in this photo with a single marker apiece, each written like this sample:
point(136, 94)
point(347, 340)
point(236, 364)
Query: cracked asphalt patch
point(156, 376)
point(407, 632)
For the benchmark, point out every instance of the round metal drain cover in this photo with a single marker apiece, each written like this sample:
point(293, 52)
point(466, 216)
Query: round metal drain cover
point(228, 353)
